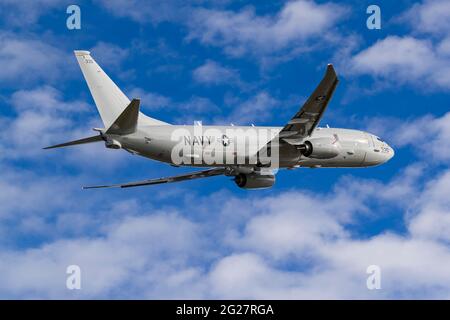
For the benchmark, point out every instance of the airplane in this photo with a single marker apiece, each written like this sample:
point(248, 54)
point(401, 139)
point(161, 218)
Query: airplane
point(227, 150)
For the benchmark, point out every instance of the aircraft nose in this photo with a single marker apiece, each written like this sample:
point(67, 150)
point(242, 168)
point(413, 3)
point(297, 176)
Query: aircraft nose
point(390, 154)
point(376, 157)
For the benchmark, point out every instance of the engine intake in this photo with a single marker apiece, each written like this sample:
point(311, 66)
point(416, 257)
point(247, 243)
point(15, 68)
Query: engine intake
point(254, 181)
point(320, 148)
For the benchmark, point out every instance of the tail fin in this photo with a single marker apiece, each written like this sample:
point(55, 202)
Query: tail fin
point(127, 121)
point(109, 99)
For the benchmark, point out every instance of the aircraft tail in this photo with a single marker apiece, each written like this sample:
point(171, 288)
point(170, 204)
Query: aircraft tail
point(127, 122)
point(109, 99)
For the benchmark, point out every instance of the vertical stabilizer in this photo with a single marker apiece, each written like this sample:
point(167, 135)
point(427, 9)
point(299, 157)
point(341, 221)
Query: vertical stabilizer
point(108, 98)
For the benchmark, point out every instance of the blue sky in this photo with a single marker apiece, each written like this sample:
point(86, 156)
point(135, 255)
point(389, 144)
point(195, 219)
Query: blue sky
point(311, 236)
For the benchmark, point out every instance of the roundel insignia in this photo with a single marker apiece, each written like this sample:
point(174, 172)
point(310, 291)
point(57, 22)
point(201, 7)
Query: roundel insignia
point(225, 140)
point(320, 98)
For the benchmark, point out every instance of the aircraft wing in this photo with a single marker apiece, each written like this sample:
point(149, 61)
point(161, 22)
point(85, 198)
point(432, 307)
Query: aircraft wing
point(305, 121)
point(182, 177)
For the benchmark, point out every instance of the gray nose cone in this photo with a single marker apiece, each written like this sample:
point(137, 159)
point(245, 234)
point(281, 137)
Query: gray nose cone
point(375, 158)
point(391, 154)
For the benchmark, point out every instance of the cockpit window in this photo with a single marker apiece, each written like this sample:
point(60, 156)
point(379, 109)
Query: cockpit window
point(379, 139)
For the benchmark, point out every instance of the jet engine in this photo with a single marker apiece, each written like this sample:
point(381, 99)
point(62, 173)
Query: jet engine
point(320, 148)
point(254, 181)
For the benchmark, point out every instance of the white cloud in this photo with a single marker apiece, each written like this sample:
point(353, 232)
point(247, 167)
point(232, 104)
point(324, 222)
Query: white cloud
point(212, 73)
point(292, 231)
point(410, 268)
point(431, 219)
point(396, 57)
point(300, 221)
point(403, 60)
point(284, 245)
point(248, 276)
point(48, 203)
point(108, 54)
point(151, 100)
point(428, 135)
point(185, 111)
point(198, 105)
point(43, 116)
point(287, 245)
point(45, 99)
point(29, 60)
point(416, 59)
point(329, 261)
point(296, 28)
point(15, 184)
point(258, 107)
point(443, 48)
point(26, 13)
point(153, 11)
point(109, 262)
point(244, 32)
point(430, 16)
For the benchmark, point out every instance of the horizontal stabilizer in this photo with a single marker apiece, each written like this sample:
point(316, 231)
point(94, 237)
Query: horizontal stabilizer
point(76, 142)
point(127, 121)
point(189, 176)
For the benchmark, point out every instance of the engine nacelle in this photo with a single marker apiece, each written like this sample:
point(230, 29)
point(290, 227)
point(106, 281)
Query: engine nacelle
point(254, 181)
point(320, 148)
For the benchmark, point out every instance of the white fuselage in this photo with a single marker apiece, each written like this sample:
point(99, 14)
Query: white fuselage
point(356, 148)
point(251, 154)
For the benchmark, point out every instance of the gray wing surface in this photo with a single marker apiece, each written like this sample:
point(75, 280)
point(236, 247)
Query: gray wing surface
point(182, 177)
point(305, 121)
point(77, 142)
